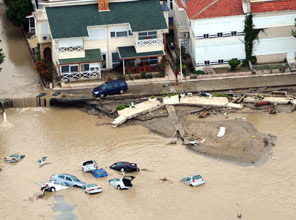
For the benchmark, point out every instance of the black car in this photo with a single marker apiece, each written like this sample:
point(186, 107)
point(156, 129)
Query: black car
point(110, 88)
point(125, 167)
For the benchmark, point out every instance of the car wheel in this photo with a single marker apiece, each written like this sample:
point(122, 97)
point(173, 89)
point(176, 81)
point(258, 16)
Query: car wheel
point(191, 185)
point(52, 189)
point(118, 187)
point(121, 91)
point(102, 95)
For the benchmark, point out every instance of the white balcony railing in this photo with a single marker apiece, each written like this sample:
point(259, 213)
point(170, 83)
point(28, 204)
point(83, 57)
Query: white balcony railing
point(71, 49)
point(149, 42)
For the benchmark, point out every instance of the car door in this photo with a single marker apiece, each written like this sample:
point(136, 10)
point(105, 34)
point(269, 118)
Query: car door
point(109, 89)
point(69, 181)
point(116, 88)
point(188, 180)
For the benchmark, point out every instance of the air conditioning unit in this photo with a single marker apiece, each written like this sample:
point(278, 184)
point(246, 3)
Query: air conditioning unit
point(45, 37)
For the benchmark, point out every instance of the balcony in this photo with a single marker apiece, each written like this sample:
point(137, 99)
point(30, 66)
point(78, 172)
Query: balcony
point(149, 42)
point(70, 49)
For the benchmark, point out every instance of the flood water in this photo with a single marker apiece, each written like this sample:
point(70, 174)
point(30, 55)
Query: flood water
point(17, 77)
point(69, 137)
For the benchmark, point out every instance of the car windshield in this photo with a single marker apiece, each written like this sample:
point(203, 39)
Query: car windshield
point(103, 86)
point(14, 155)
point(87, 163)
point(75, 179)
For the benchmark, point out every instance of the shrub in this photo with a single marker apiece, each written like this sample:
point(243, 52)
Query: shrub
point(143, 75)
point(199, 72)
point(137, 77)
point(121, 77)
point(149, 76)
point(44, 68)
point(120, 107)
point(233, 63)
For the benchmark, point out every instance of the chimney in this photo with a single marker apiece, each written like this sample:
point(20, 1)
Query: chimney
point(246, 6)
point(103, 5)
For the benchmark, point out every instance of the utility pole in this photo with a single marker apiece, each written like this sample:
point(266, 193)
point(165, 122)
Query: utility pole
point(181, 71)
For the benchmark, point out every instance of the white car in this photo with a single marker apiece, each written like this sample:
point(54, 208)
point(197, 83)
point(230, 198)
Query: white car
point(195, 180)
point(92, 188)
point(89, 166)
point(124, 183)
point(53, 186)
point(14, 158)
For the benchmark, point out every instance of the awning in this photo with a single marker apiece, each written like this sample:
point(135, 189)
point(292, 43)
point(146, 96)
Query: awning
point(33, 42)
point(130, 53)
point(90, 56)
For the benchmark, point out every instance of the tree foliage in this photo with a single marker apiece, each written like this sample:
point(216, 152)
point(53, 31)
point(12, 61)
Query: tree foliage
point(17, 10)
point(294, 31)
point(251, 35)
point(2, 56)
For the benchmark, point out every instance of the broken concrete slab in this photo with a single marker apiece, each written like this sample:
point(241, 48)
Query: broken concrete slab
point(119, 120)
point(172, 100)
point(234, 105)
point(277, 100)
point(205, 101)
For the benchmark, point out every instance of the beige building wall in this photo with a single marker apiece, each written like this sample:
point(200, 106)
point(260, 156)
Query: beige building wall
point(273, 58)
point(276, 32)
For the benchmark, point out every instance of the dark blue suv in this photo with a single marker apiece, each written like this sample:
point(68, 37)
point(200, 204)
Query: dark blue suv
point(110, 88)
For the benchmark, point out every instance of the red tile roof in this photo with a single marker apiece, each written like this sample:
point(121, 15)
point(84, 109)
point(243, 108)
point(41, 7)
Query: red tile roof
point(271, 6)
point(197, 9)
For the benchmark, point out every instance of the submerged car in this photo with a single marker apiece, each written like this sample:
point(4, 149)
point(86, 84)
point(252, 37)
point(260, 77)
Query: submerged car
point(195, 180)
point(125, 167)
point(14, 158)
point(99, 173)
point(124, 183)
point(53, 186)
point(67, 179)
point(110, 88)
point(92, 188)
point(89, 166)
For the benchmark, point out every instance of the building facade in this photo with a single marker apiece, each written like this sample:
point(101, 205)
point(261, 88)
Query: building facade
point(213, 31)
point(84, 37)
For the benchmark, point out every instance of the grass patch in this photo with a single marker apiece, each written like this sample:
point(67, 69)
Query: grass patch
point(221, 95)
point(121, 107)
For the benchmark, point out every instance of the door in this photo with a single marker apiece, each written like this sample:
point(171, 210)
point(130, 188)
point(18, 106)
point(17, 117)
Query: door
point(69, 181)
point(109, 89)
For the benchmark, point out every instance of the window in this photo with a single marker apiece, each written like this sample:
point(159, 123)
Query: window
point(85, 67)
point(112, 34)
point(121, 34)
point(74, 68)
point(61, 176)
point(130, 62)
point(171, 4)
point(147, 35)
point(207, 62)
point(115, 59)
point(220, 34)
point(68, 178)
point(65, 69)
point(206, 36)
point(220, 61)
point(233, 33)
point(153, 60)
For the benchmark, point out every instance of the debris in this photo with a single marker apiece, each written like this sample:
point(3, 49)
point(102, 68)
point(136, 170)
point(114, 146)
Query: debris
point(42, 161)
point(99, 173)
point(262, 103)
point(273, 158)
point(253, 136)
point(189, 94)
point(225, 113)
point(205, 94)
point(221, 132)
point(239, 215)
point(172, 141)
point(204, 114)
point(56, 93)
point(271, 109)
point(163, 180)
point(14, 158)
point(283, 93)
point(165, 85)
point(239, 118)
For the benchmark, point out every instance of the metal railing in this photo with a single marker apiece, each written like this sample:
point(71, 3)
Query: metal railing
point(149, 42)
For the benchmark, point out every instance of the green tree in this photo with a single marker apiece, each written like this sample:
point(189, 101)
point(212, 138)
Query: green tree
point(233, 63)
point(17, 11)
point(294, 31)
point(2, 56)
point(251, 35)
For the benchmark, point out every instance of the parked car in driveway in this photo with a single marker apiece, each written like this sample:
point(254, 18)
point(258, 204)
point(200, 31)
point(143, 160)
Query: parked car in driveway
point(125, 167)
point(89, 166)
point(67, 179)
point(195, 180)
point(92, 188)
point(53, 186)
point(122, 183)
point(110, 88)
point(14, 158)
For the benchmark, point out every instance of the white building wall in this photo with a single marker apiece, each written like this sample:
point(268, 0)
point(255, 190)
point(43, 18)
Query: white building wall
point(275, 46)
point(268, 21)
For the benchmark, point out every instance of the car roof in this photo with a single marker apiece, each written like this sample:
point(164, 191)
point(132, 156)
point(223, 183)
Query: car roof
point(92, 185)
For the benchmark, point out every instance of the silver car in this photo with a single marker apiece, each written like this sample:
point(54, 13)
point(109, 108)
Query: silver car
point(67, 179)
point(124, 183)
point(92, 188)
point(195, 180)
point(89, 166)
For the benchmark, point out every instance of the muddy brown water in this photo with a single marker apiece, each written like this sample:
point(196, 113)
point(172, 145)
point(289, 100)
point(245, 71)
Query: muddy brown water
point(17, 77)
point(69, 137)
